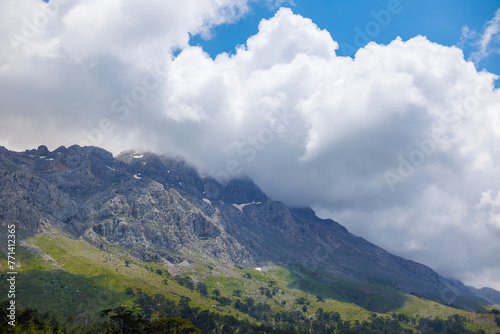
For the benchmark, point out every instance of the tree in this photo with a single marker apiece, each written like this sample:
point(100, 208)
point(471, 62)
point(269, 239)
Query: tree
point(224, 301)
point(249, 301)
point(239, 305)
point(184, 302)
point(172, 325)
point(185, 281)
point(237, 293)
point(189, 284)
point(124, 321)
point(266, 292)
point(300, 301)
point(202, 289)
point(29, 316)
point(319, 298)
point(70, 319)
point(216, 293)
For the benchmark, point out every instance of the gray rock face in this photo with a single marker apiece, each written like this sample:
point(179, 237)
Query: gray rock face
point(33, 202)
point(161, 209)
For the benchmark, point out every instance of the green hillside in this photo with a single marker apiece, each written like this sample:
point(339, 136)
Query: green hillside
point(76, 281)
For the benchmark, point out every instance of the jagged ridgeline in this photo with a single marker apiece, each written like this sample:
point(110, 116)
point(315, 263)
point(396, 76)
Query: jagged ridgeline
point(141, 219)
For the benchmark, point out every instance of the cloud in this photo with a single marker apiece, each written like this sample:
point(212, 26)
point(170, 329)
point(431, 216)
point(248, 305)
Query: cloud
point(65, 63)
point(132, 29)
point(399, 143)
point(490, 206)
point(487, 43)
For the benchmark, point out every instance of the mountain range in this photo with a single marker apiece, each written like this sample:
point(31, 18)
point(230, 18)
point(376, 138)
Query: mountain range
point(160, 209)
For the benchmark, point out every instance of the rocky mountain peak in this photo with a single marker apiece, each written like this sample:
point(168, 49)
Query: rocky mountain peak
point(242, 190)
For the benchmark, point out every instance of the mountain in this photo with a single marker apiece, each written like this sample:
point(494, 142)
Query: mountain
point(161, 209)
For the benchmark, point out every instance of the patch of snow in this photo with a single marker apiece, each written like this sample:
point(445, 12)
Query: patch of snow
point(258, 269)
point(180, 183)
point(206, 200)
point(50, 159)
point(137, 177)
point(138, 156)
point(241, 206)
point(42, 157)
point(110, 168)
point(144, 163)
point(32, 156)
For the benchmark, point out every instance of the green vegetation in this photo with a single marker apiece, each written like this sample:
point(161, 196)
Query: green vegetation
point(77, 282)
point(160, 315)
point(372, 297)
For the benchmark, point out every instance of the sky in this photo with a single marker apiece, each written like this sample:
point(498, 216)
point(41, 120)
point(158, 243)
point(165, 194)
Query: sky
point(382, 115)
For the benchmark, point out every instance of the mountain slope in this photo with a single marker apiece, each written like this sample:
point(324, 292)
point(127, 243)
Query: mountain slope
point(162, 210)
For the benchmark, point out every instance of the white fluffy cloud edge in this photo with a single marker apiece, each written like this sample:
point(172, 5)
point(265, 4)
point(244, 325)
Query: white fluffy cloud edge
point(401, 144)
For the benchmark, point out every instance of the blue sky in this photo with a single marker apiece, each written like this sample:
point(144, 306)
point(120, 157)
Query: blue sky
point(440, 21)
